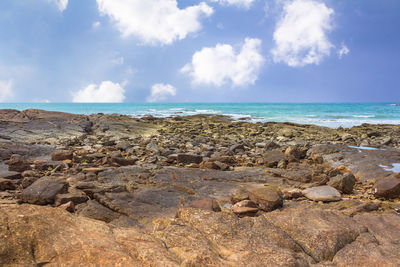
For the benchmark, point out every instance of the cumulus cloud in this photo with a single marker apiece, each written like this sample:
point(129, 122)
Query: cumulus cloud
point(61, 4)
point(344, 50)
point(221, 64)
point(106, 92)
point(154, 21)
point(301, 34)
point(160, 92)
point(239, 3)
point(6, 91)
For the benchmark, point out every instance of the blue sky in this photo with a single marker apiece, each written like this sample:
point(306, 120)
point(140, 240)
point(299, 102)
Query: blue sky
point(199, 51)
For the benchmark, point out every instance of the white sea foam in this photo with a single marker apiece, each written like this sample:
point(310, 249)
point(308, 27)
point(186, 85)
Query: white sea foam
point(364, 116)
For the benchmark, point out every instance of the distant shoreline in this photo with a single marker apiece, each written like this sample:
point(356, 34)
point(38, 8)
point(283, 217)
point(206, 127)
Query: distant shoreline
point(331, 115)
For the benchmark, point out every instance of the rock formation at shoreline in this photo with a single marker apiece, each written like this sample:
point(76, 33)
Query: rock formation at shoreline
point(103, 189)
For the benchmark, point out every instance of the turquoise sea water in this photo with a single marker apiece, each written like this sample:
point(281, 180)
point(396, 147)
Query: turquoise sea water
point(331, 114)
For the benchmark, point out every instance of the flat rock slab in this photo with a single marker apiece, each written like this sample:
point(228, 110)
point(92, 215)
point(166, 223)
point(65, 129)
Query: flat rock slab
point(321, 233)
point(322, 193)
point(44, 190)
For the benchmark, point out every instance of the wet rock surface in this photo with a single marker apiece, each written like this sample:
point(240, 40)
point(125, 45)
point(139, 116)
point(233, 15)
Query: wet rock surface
point(195, 191)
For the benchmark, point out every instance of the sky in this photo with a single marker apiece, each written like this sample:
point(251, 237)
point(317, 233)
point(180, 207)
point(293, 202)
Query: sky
point(199, 51)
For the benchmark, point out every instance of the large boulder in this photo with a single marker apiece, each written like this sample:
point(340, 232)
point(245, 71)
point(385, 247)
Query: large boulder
point(44, 190)
point(37, 236)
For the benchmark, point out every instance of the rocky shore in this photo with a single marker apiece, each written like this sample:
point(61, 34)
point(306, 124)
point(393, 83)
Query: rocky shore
point(111, 190)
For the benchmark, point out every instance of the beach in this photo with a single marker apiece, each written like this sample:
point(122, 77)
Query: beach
point(202, 190)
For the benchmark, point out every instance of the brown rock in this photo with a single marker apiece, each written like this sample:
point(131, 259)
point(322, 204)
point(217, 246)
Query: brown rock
point(44, 190)
point(239, 195)
point(320, 233)
point(123, 161)
point(387, 187)
point(37, 236)
point(291, 193)
point(189, 158)
point(69, 206)
point(60, 156)
point(245, 208)
point(76, 197)
point(273, 157)
point(206, 204)
point(294, 153)
point(344, 183)
point(10, 175)
point(209, 165)
point(7, 184)
point(18, 164)
point(93, 170)
point(268, 198)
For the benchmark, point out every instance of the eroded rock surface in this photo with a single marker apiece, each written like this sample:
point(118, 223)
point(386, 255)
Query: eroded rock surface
point(195, 191)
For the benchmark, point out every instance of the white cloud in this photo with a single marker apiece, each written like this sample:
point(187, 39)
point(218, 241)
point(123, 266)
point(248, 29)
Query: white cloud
point(160, 92)
point(61, 4)
point(221, 64)
point(344, 50)
point(96, 24)
point(106, 92)
point(154, 21)
point(239, 3)
point(6, 91)
point(300, 35)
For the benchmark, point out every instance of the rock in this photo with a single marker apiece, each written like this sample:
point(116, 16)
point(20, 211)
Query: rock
point(268, 198)
point(60, 156)
point(344, 183)
point(29, 173)
point(123, 145)
point(37, 236)
point(322, 193)
point(69, 206)
point(44, 190)
point(27, 181)
point(7, 184)
point(206, 204)
point(320, 233)
point(245, 208)
point(239, 195)
point(237, 148)
point(363, 207)
point(93, 170)
point(294, 153)
point(291, 193)
point(10, 175)
point(273, 157)
point(124, 162)
point(189, 158)
point(76, 197)
point(18, 164)
point(388, 187)
point(378, 247)
point(209, 165)
point(92, 209)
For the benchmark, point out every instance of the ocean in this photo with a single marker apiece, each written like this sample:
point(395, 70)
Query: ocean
point(325, 114)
